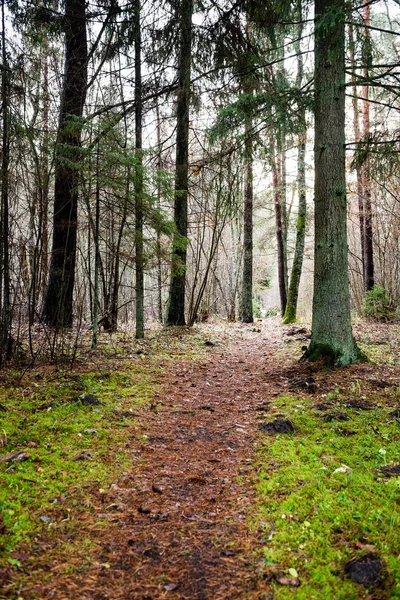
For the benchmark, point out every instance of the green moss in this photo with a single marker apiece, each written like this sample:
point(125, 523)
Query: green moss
point(45, 417)
point(333, 357)
point(301, 223)
point(290, 315)
point(312, 516)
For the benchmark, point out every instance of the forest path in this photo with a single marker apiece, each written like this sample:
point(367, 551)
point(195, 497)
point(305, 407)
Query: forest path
point(174, 522)
point(181, 527)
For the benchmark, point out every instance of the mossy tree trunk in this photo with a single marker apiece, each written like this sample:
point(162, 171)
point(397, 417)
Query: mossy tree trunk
point(246, 308)
point(332, 337)
point(295, 275)
point(176, 303)
point(58, 303)
point(280, 226)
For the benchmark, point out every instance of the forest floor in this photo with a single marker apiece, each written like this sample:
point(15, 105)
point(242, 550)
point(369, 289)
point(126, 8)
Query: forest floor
point(203, 464)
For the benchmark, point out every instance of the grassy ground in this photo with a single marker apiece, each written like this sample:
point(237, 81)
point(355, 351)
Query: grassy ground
point(43, 414)
point(325, 500)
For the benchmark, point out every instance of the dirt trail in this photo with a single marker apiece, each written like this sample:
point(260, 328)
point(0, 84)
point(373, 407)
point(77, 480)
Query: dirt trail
point(175, 524)
point(177, 520)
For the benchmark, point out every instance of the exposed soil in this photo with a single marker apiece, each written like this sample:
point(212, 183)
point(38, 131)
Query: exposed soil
point(364, 570)
point(177, 520)
point(278, 426)
point(391, 470)
point(336, 416)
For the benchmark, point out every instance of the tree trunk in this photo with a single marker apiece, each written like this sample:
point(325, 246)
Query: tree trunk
point(357, 139)
point(176, 304)
point(158, 240)
point(5, 333)
point(368, 239)
point(44, 200)
point(58, 304)
point(279, 224)
point(332, 337)
point(295, 275)
point(247, 279)
point(95, 321)
point(138, 179)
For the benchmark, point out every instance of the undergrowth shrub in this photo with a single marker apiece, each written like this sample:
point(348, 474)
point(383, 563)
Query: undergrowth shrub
point(378, 305)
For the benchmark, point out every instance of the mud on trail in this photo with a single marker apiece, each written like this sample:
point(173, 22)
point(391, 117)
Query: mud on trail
point(178, 520)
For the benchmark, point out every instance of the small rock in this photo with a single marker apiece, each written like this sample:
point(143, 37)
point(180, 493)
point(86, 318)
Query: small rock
point(170, 587)
point(45, 519)
point(343, 469)
point(157, 489)
point(292, 581)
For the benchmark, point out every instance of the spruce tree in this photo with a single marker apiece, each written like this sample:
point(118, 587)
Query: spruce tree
point(332, 337)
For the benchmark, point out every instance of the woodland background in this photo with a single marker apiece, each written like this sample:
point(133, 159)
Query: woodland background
point(97, 99)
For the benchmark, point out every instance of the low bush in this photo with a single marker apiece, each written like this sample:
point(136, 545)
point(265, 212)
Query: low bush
point(378, 305)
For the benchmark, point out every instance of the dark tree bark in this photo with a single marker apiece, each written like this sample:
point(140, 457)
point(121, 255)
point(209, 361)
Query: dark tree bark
point(58, 303)
point(95, 319)
point(5, 331)
point(332, 337)
point(366, 182)
point(176, 303)
point(158, 240)
point(139, 267)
